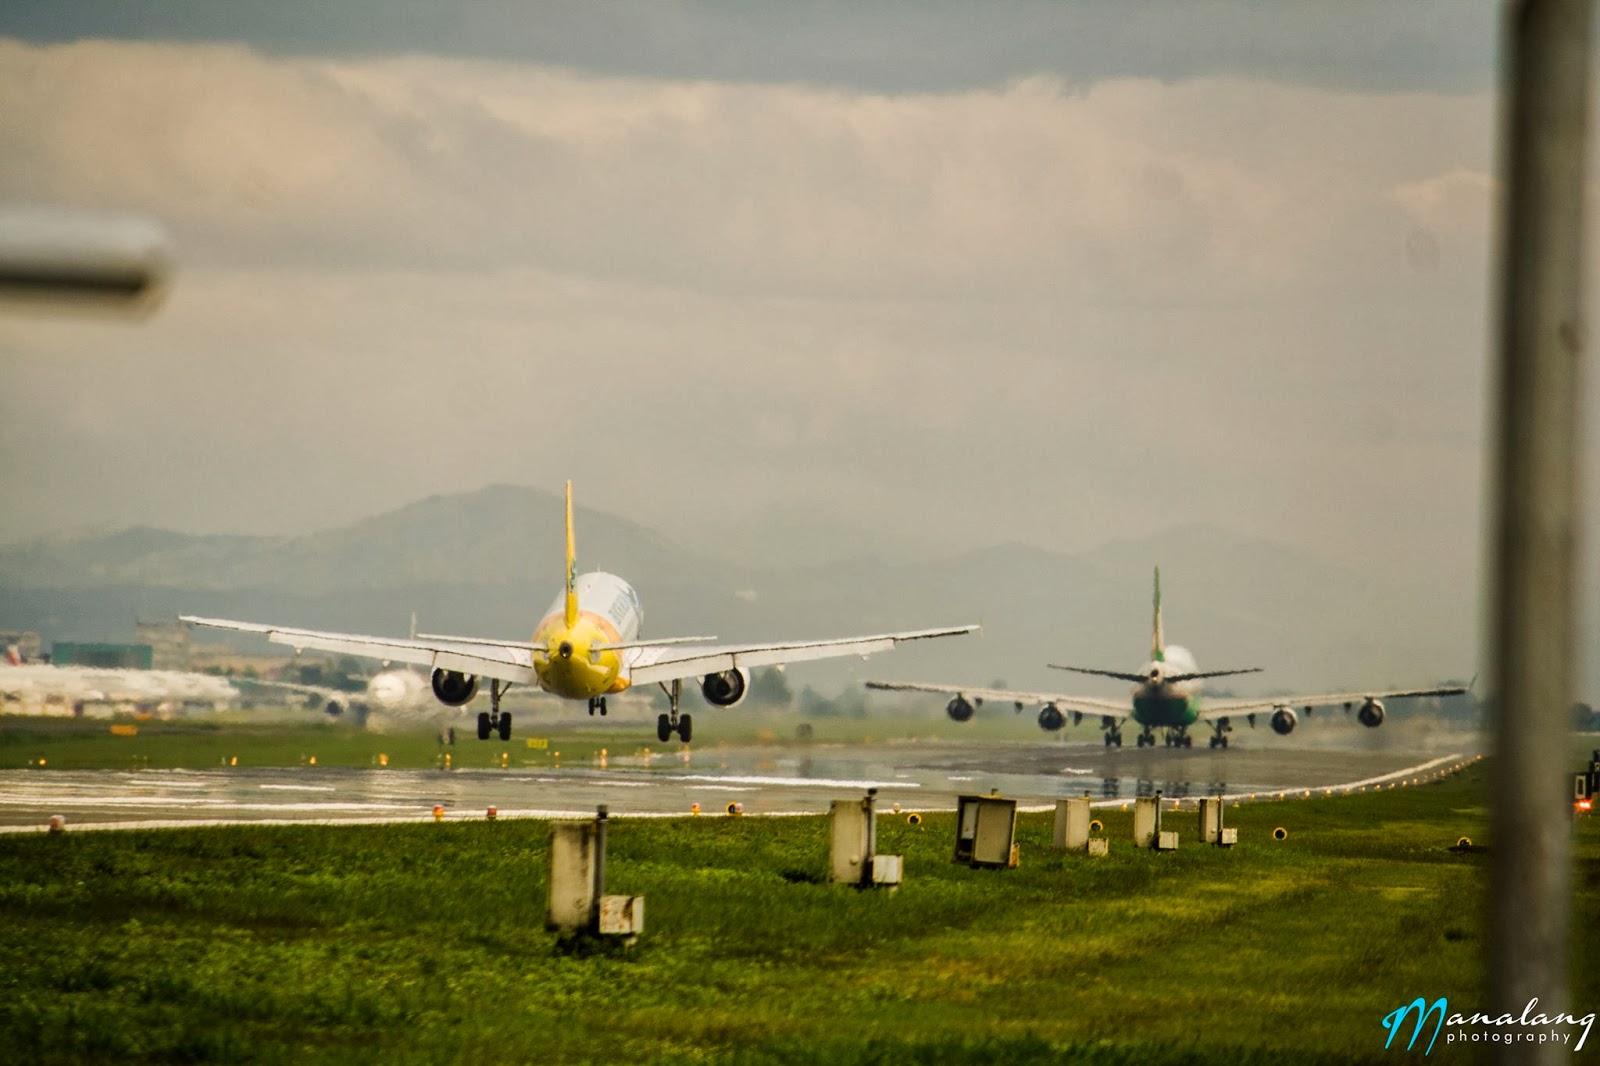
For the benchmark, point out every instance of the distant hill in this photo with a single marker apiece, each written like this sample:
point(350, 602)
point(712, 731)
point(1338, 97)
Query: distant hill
point(489, 562)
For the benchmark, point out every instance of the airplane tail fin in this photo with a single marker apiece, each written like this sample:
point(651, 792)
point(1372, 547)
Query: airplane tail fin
point(572, 562)
point(1158, 644)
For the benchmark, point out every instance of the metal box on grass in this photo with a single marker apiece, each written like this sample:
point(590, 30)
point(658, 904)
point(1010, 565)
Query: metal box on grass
point(986, 828)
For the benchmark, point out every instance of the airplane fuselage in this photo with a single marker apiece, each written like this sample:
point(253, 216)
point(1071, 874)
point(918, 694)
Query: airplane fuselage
point(576, 666)
point(1162, 704)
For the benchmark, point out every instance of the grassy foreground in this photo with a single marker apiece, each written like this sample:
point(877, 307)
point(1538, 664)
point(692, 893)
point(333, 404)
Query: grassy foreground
point(425, 943)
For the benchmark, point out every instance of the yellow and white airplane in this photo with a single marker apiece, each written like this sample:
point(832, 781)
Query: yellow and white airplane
point(586, 647)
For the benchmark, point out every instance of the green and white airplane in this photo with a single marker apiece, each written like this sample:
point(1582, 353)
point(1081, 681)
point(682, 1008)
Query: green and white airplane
point(1166, 696)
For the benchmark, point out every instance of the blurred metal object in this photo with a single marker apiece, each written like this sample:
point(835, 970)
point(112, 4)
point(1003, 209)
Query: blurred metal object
point(1536, 505)
point(92, 260)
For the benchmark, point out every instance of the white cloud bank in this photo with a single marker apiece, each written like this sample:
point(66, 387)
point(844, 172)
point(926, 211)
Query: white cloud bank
point(1022, 313)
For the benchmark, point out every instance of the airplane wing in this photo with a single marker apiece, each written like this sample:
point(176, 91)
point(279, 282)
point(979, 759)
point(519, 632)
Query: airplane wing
point(503, 661)
point(670, 662)
point(1089, 705)
point(1214, 709)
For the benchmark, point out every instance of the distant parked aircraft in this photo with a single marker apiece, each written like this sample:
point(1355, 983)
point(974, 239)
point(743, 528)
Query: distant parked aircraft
point(40, 688)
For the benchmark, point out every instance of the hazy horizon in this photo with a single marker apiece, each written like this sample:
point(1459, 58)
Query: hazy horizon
point(893, 273)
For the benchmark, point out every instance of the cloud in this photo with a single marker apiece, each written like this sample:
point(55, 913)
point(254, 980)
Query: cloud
point(1047, 309)
point(1130, 189)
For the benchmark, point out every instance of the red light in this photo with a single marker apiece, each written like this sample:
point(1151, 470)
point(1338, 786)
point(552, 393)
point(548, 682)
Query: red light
point(1584, 805)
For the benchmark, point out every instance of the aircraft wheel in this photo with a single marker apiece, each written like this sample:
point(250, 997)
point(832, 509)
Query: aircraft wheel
point(1108, 740)
point(685, 727)
point(663, 728)
point(1224, 742)
point(1119, 740)
point(1214, 742)
point(1188, 741)
point(505, 727)
point(483, 725)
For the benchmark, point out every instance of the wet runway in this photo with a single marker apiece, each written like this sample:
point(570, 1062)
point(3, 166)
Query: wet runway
point(762, 779)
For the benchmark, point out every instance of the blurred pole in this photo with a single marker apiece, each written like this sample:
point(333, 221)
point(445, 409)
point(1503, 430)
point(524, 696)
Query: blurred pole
point(1545, 97)
point(86, 260)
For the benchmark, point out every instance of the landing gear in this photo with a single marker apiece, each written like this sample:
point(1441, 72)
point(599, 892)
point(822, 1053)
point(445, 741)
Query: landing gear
point(1113, 738)
point(671, 722)
point(1147, 739)
point(597, 703)
point(1220, 730)
point(492, 721)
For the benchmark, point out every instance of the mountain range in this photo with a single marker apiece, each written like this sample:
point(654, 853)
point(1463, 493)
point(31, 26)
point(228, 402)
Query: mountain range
point(489, 562)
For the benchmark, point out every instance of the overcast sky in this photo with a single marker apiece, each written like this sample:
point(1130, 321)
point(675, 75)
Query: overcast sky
point(945, 274)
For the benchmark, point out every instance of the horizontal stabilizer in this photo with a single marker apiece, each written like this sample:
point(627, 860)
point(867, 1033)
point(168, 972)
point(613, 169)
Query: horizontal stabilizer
point(1137, 679)
point(661, 642)
point(482, 642)
point(1213, 673)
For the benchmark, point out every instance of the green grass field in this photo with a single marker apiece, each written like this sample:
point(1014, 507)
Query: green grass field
point(425, 943)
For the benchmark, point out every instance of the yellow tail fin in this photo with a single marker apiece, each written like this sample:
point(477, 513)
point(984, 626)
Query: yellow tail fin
point(572, 563)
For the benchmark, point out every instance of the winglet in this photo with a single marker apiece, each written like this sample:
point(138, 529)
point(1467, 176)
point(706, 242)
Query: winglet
point(572, 562)
point(1158, 645)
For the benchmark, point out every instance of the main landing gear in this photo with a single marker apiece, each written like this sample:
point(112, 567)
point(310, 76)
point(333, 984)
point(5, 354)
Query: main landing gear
point(492, 720)
point(1173, 737)
point(597, 703)
point(672, 722)
point(1222, 727)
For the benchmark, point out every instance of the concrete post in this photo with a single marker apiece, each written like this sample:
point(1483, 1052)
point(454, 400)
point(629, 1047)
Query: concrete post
point(1536, 506)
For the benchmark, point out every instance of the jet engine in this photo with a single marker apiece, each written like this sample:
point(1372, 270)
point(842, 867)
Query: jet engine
point(453, 688)
point(1371, 714)
point(1284, 720)
point(725, 689)
point(1051, 718)
point(959, 709)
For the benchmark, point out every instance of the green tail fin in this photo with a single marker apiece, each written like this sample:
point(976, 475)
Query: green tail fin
point(1158, 644)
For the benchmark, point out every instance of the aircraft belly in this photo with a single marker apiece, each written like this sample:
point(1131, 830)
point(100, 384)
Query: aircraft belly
point(1163, 710)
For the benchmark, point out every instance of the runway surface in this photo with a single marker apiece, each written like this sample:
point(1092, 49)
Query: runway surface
point(762, 779)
